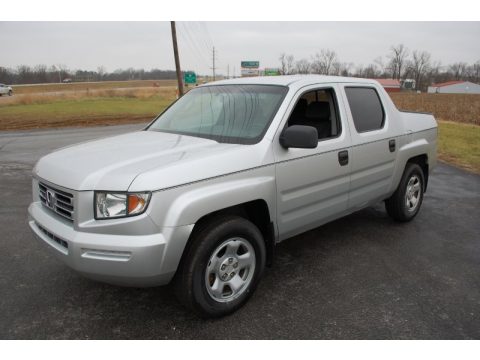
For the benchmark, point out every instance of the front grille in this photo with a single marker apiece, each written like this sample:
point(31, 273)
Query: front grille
point(59, 201)
point(53, 237)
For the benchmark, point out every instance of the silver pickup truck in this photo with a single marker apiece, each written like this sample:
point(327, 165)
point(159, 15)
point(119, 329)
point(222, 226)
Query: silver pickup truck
point(203, 194)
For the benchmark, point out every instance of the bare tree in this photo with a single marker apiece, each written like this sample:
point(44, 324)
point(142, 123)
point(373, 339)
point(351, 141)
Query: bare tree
point(419, 66)
point(458, 70)
point(434, 74)
point(302, 66)
point(371, 71)
point(283, 63)
point(101, 71)
point(24, 74)
point(40, 72)
point(398, 56)
point(325, 62)
point(380, 65)
point(344, 69)
point(64, 71)
point(286, 64)
point(6, 75)
point(476, 72)
point(290, 64)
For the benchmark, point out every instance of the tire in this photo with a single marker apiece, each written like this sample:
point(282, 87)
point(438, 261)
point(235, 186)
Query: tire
point(10, 93)
point(406, 201)
point(202, 282)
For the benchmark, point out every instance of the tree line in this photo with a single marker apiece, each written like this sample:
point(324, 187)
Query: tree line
point(400, 63)
point(42, 74)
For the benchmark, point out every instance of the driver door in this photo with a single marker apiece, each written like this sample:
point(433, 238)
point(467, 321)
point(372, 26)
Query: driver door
point(313, 184)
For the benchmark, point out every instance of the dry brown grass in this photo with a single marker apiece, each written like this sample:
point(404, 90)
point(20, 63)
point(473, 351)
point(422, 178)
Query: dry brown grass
point(131, 93)
point(463, 108)
point(83, 86)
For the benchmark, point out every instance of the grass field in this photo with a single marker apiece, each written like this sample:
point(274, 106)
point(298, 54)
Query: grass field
point(458, 118)
point(460, 144)
point(102, 107)
point(463, 108)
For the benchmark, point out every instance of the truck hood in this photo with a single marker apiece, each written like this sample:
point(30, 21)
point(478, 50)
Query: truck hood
point(114, 163)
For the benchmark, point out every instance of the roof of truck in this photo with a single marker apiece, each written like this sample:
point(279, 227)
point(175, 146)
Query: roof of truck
point(291, 80)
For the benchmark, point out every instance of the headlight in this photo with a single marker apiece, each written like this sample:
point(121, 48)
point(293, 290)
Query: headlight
point(116, 205)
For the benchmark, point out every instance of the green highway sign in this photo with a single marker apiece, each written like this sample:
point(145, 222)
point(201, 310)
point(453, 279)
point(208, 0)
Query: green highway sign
point(250, 64)
point(190, 77)
point(271, 72)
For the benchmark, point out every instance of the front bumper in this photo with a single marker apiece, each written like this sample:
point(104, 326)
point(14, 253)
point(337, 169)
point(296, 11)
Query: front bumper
point(129, 260)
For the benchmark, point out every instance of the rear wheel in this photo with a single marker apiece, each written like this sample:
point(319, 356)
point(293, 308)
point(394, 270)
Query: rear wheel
point(406, 201)
point(221, 267)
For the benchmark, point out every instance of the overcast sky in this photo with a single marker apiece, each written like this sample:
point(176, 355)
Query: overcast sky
point(87, 45)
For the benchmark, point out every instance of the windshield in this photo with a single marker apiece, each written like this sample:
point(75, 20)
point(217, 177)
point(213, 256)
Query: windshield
point(225, 113)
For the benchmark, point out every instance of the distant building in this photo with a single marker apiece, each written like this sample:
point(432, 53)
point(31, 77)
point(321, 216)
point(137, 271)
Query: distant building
point(455, 87)
point(390, 85)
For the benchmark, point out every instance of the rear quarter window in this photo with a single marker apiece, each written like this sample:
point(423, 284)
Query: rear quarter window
point(366, 107)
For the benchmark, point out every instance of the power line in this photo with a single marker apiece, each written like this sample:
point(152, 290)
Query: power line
point(205, 28)
point(191, 50)
point(193, 45)
point(204, 37)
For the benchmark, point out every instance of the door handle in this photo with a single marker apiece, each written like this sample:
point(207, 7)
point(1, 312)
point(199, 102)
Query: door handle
point(391, 145)
point(343, 157)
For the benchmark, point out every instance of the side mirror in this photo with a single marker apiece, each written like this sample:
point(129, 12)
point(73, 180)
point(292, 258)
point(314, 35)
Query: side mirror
point(299, 136)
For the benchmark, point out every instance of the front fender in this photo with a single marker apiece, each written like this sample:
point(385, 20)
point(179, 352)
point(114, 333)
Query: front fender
point(186, 204)
point(182, 207)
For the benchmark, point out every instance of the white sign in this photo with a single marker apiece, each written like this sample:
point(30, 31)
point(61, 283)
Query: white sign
point(249, 72)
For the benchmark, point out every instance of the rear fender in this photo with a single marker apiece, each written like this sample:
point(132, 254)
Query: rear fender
point(406, 152)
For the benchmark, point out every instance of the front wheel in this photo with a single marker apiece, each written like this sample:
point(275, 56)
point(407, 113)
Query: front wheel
point(10, 93)
point(222, 266)
point(405, 202)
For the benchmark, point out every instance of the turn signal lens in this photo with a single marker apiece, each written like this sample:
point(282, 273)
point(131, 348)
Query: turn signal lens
point(136, 203)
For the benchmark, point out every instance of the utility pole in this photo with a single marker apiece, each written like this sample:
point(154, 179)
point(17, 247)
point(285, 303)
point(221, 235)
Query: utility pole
point(59, 74)
point(213, 60)
point(228, 71)
point(177, 59)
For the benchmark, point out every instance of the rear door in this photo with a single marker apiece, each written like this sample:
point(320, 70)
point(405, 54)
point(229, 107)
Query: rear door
point(313, 184)
point(373, 147)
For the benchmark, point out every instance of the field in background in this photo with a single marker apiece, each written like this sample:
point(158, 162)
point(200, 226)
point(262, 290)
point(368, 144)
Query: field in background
point(463, 108)
point(81, 108)
point(84, 86)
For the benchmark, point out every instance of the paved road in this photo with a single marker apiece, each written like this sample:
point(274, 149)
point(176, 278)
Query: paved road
point(361, 277)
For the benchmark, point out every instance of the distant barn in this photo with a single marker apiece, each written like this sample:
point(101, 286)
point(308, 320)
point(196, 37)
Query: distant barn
point(455, 87)
point(390, 85)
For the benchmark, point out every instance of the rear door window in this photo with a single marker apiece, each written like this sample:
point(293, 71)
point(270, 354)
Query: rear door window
point(366, 107)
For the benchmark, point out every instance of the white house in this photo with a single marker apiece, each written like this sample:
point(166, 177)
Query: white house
point(455, 87)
